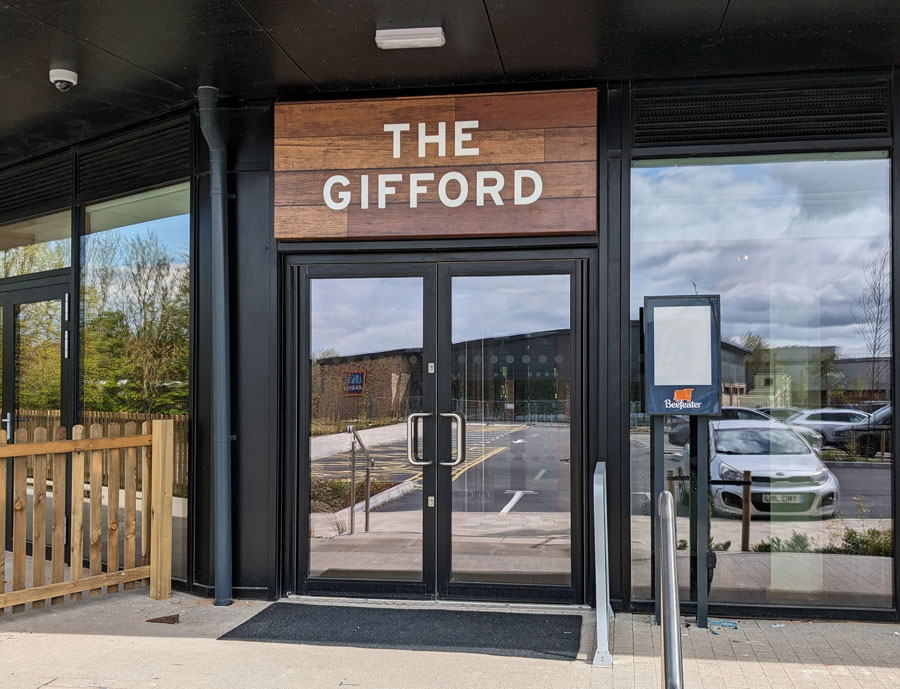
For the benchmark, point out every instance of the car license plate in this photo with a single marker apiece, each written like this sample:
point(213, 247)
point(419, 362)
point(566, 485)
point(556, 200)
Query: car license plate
point(782, 497)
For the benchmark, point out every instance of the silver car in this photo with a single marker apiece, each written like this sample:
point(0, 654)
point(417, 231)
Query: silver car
point(826, 421)
point(787, 475)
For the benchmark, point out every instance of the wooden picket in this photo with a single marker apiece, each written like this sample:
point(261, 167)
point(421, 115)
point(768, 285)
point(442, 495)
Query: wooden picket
point(109, 457)
point(31, 419)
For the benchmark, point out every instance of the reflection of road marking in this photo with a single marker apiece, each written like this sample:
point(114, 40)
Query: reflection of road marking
point(512, 502)
point(540, 474)
point(468, 465)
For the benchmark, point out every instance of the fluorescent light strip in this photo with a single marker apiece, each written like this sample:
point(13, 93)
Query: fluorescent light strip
point(421, 37)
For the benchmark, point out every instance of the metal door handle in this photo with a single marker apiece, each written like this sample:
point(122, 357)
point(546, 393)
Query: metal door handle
point(460, 438)
point(8, 421)
point(411, 430)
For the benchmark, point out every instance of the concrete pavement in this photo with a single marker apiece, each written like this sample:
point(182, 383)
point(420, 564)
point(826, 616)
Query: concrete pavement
point(106, 642)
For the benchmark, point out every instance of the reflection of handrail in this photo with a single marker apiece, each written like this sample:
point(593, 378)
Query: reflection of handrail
point(602, 656)
point(670, 631)
point(354, 441)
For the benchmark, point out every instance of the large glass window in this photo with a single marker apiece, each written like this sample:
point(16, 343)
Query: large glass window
point(799, 249)
point(135, 323)
point(32, 246)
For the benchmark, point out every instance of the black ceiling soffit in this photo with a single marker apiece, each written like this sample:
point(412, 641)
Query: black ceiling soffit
point(137, 60)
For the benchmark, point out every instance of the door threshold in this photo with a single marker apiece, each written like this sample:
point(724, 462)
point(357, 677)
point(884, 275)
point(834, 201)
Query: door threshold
point(441, 604)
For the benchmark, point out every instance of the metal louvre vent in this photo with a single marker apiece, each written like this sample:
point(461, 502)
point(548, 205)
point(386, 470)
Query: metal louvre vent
point(771, 113)
point(27, 189)
point(151, 156)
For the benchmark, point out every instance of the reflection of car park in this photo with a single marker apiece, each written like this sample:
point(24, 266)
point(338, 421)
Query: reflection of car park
point(826, 421)
point(779, 413)
point(680, 432)
point(866, 437)
point(787, 476)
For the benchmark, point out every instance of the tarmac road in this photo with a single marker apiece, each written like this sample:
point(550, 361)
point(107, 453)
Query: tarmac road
point(511, 466)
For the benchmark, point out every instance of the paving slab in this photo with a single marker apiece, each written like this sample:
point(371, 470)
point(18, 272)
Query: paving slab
point(107, 642)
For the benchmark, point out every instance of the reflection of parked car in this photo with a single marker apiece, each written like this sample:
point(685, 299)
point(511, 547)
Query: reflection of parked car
point(680, 432)
point(779, 413)
point(787, 475)
point(826, 421)
point(866, 437)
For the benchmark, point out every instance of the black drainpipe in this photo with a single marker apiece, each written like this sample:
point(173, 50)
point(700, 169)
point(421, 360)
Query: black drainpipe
point(221, 383)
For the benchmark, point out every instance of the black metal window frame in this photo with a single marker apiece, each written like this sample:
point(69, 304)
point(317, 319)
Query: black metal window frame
point(64, 165)
point(621, 96)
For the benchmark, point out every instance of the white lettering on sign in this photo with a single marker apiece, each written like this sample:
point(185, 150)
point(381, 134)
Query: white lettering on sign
point(452, 188)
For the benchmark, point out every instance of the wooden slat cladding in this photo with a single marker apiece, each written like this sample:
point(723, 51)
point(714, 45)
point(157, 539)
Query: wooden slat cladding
point(550, 134)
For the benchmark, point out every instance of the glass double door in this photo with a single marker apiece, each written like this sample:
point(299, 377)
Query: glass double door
point(460, 383)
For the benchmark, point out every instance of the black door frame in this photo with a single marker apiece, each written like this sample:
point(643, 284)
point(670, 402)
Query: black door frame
point(582, 264)
point(31, 289)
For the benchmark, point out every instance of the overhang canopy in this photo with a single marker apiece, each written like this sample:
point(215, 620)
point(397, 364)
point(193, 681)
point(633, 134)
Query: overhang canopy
point(139, 59)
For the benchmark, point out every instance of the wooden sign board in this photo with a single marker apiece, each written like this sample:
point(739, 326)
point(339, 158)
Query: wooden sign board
point(442, 166)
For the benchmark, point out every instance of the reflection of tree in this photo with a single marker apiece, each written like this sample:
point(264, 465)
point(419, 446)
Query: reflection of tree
point(759, 361)
point(37, 355)
point(135, 315)
point(33, 258)
point(872, 313)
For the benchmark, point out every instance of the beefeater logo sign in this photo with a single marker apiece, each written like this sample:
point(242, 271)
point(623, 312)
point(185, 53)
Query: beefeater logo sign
point(681, 399)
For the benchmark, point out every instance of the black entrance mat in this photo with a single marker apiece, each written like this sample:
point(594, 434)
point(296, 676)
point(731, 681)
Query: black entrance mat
point(531, 635)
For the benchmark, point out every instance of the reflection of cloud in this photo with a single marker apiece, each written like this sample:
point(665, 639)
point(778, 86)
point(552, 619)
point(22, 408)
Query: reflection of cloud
point(785, 244)
point(491, 306)
point(363, 315)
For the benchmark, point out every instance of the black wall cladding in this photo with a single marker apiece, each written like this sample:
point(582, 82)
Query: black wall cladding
point(39, 187)
point(771, 112)
point(145, 158)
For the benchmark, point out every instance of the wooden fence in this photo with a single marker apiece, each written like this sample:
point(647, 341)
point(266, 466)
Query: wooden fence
point(152, 451)
point(32, 419)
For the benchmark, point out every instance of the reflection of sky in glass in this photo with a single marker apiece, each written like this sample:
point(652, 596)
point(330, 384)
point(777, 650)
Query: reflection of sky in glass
point(492, 306)
point(365, 315)
point(174, 232)
point(785, 243)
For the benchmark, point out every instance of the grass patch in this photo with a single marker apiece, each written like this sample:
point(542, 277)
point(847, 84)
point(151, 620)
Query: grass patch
point(333, 494)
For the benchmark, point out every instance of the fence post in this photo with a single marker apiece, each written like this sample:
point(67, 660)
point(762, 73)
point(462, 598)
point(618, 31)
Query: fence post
point(162, 468)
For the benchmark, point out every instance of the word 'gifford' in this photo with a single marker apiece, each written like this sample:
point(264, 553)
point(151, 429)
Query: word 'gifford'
point(453, 188)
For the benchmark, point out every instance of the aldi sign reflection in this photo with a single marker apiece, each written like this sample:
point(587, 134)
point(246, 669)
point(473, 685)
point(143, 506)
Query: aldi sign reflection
point(354, 383)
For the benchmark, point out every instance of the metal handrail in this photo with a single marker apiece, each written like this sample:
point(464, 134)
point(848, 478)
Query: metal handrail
point(670, 623)
point(602, 656)
point(354, 441)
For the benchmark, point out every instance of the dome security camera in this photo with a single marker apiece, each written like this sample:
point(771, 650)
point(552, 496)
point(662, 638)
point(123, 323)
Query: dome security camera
point(63, 79)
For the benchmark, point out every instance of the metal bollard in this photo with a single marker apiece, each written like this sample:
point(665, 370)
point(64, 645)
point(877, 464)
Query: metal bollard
point(670, 623)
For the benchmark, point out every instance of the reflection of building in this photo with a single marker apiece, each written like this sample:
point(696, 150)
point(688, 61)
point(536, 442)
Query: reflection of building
point(391, 385)
point(865, 378)
point(512, 377)
point(769, 390)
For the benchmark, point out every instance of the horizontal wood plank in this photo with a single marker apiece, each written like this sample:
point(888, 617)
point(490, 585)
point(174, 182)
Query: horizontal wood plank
point(74, 586)
point(561, 180)
point(539, 110)
point(547, 216)
point(357, 152)
point(359, 118)
point(310, 222)
point(572, 143)
point(58, 446)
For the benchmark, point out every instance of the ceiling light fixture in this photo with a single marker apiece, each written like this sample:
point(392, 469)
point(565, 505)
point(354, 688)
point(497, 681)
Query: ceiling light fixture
point(420, 37)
